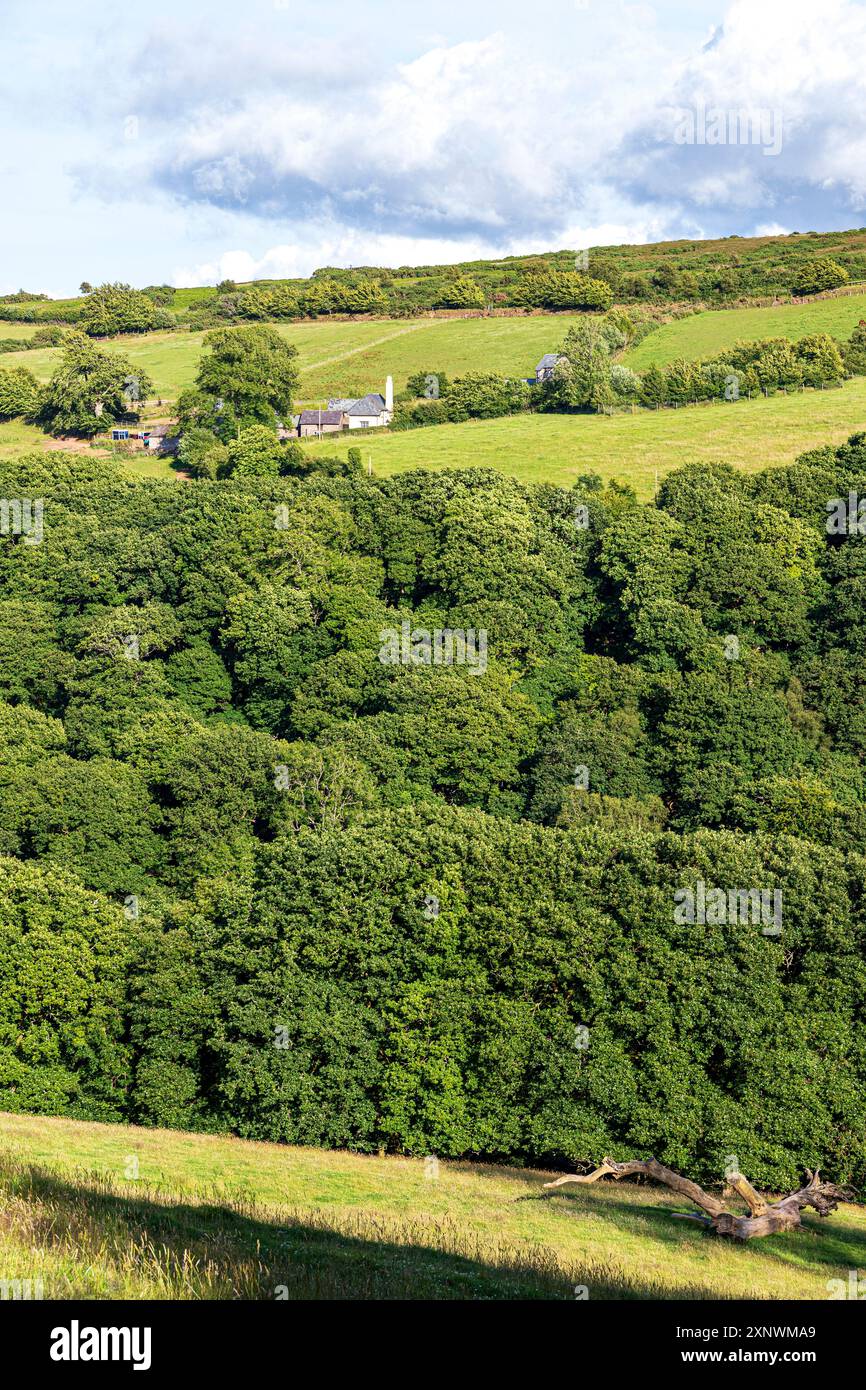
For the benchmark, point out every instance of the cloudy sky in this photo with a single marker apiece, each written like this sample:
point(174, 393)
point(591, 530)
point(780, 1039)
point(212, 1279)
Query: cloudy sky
point(185, 142)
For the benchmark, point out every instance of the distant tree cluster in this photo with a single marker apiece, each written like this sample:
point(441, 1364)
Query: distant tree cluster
point(475, 396)
point(117, 308)
point(554, 289)
point(23, 297)
point(820, 275)
point(462, 293)
point(319, 297)
point(587, 377)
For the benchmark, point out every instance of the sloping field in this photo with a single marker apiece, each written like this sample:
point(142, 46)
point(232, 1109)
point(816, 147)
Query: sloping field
point(632, 448)
point(703, 335)
point(635, 449)
point(110, 1211)
point(16, 330)
point(349, 358)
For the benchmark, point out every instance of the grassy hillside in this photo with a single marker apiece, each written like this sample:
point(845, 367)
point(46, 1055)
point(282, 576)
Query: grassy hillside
point(723, 270)
point(350, 358)
point(701, 335)
point(18, 330)
point(633, 448)
point(353, 357)
point(215, 1217)
point(760, 262)
point(344, 358)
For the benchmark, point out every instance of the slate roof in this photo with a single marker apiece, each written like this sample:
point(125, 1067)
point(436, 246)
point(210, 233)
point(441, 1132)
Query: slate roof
point(371, 404)
point(549, 359)
point(323, 417)
point(342, 403)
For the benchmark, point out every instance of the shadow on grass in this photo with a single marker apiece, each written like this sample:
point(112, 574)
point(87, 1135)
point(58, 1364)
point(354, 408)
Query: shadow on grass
point(97, 1238)
point(821, 1245)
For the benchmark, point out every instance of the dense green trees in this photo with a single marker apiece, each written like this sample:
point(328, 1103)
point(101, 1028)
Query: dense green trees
point(587, 377)
point(257, 877)
point(582, 374)
point(475, 396)
point(854, 351)
point(249, 375)
point(563, 289)
point(332, 296)
point(246, 381)
point(248, 378)
point(117, 308)
point(339, 1007)
point(64, 954)
point(90, 388)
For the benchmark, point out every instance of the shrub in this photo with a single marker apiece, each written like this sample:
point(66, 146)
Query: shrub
point(624, 382)
point(52, 335)
point(19, 394)
point(820, 275)
point(461, 293)
point(117, 308)
point(557, 289)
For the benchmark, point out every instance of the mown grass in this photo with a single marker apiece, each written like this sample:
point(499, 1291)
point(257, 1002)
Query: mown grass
point(216, 1217)
point(637, 449)
point(16, 330)
point(706, 334)
point(350, 358)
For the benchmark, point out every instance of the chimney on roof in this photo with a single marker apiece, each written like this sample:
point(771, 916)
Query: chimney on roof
point(389, 393)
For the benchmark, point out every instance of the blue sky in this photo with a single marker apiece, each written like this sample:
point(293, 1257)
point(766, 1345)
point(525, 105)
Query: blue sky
point(183, 142)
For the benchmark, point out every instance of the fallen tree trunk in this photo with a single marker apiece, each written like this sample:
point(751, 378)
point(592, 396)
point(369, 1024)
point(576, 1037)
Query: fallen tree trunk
point(765, 1218)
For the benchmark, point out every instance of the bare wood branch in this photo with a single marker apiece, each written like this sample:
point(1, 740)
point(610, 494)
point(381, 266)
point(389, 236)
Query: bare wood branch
point(583, 1177)
point(650, 1168)
point(765, 1218)
point(754, 1201)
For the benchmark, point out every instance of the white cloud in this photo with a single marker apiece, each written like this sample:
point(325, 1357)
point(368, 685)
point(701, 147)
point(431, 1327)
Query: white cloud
point(477, 146)
point(328, 246)
point(772, 229)
point(385, 146)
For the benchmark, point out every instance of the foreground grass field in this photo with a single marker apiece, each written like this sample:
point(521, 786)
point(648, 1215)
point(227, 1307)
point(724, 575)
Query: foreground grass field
point(638, 449)
point(702, 335)
point(107, 1211)
point(632, 448)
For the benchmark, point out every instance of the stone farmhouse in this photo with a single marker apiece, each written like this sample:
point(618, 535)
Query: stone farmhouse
point(367, 412)
point(315, 422)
